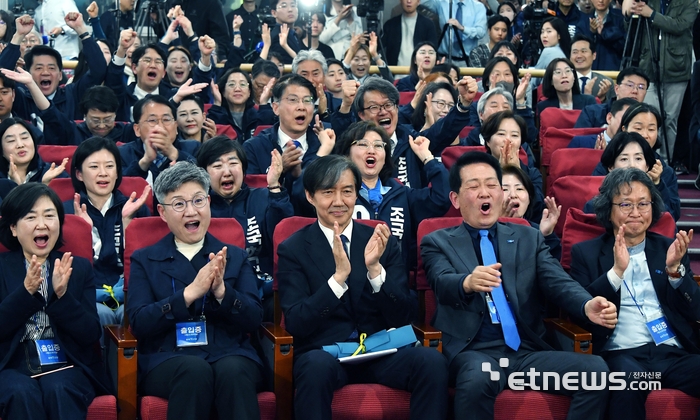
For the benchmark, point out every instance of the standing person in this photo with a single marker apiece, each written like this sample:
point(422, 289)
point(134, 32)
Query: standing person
point(555, 43)
point(109, 23)
point(468, 24)
point(49, 22)
point(605, 26)
point(207, 17)
point(583, 55)
point(560, 87)
point(285, 42)
point(249, 13)
point(233, 104)
point(318, 22)
point(411, 28)
point(671, 24)
point(342, 23)
point(568, 12)
point(423, 61)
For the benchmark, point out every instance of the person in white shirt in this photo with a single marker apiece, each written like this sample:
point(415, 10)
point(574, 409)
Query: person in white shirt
point(411, 28)
point(49, 21)
point(342, 22)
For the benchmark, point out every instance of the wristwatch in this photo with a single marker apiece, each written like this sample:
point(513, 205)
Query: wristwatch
point(678, 274)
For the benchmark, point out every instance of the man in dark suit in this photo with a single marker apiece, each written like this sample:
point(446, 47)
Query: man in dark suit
point(613, 119)
point(486, 322)
point(403, 32)
point(647, 276)
point(583, 54)
point(339, 280)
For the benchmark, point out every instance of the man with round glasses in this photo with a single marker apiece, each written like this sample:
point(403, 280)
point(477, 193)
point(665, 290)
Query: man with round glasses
point(158, 143)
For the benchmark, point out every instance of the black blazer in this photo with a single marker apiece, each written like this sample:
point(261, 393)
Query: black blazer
point(591, 261)
point(73, 317)
point(425, 31)
point(312, 312)
point(580, 102)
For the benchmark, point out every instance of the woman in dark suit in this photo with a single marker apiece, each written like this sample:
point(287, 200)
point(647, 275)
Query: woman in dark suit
point(193, 302)
point(47, 307)
point(560, 86)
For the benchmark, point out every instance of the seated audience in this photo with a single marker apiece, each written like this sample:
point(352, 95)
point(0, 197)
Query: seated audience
point(192, 121)
point(648, 277)
point(613, 119)
point(334, 82)
point(506, 49)
point(423, 60)
point(311, 65)
point(191, 278)
point(257, 210)
point(560, 86)
point(497, 30)
point(264, 74)
point(96, 173)
point(178, 65)
point(435, 102)
point(46, 299)
point(451, 70)
point(484, 267)
point(358, 275)
point(236, 106)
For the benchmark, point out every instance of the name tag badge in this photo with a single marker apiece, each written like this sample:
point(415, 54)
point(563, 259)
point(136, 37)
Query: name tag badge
point(50, 352)
point(660, 331)
point(493, 313)
point(192, 333)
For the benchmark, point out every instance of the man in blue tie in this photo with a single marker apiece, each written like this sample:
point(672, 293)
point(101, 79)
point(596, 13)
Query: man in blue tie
point(468, 24)
point(491, 281)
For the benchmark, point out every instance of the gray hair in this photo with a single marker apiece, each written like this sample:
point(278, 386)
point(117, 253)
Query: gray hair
point(612, 186)
point(481, 105)
point(375, 84)
point(175, 176)
point(313, 55)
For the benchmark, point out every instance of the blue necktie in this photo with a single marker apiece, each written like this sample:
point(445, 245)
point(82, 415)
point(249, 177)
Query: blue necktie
point(458, 17)
point(346, 245)
point(510, 331)
point(584, 80)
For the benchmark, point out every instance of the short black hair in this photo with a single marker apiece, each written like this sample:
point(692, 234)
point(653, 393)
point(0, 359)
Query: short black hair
point(324, 173)
point(197, 100)
point(7, 83)
point(42, 50)
point(223, 80)
point(375, 84)
point(492, 125)
point(641, 108)
point(619, 104)
point(292, 79)
point(413, 68)
point(510, 46)
point(562, 30)
point(141, 51)
point(157, 99)
point(18, 203)
point(630, 71)
point(524, 178)
point(471, 158)
point(548, 89)
point(494, 19)
point(87, 148)
point(4, 126)
point(331, 61)
point(100, 98)
point(584, 38)
point(266, 67)
point(445, 68)
point(618, 144)
point(491, 64)
point(218, 146)
point(356, 131)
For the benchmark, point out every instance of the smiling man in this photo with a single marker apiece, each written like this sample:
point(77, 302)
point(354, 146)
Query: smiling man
point(491, 281)
point(583, 55)
point(605, 26)
point(311, 64)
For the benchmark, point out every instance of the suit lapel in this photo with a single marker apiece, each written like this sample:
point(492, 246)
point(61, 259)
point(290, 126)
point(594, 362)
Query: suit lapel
point(607, 256)
point(358, 275)
point(461, 242)
point(174, 264)
point(319, 251)
point(507, 251)
point(656, 262)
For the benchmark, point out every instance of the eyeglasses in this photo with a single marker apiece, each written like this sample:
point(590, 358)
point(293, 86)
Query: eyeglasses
point(559, 72)
point(642, 206)
point(179, 205)
point(233, 85)
point(366, 144)
point(101, 121)
point(294, 100)
point(441, 105)
point(147, 61)
point(631, 86)
point(166, 120)
point(287, 6)
point(376, 109)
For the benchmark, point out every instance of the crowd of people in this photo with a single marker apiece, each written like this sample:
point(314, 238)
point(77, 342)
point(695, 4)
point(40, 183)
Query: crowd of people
point(334, 141)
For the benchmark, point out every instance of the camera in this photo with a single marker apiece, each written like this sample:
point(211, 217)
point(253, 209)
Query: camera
point(265, 16)
point(534, 16)
point(370, 9)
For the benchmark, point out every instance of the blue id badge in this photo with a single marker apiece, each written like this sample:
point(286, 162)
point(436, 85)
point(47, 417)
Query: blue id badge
point(50, 352)
point(660, 330)
point(192, 333)
point(493, 313)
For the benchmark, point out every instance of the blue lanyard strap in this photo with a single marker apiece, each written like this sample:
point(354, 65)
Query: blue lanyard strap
point(633, 299)
point(204, 298)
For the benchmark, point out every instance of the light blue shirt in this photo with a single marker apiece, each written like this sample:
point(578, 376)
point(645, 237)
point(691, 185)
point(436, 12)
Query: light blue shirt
point(473, 20)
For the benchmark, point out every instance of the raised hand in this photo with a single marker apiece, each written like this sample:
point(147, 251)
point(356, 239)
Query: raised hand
point(215, 93)
point(237, 22)
point(275, 171)
point(421, 148)
point(483, 279)
point(349, 91)
point(171, 34)
point(655, 172)
point(32, 280)
point(207, 45)
point(201, 284)
point(602, 312)
point(342, 264)
point(93, 10)
point(133, 205)
point(209, 129)
point(600, 142)
point(509, 209)
point(54, 171)
point(373, 44)
point(265, 35)
point(622, 256)
point(267, 91)
point(187, 89)
point(375, 249)
point(81, 210)
point(677, 250)
point(13, 173)
point(74, 20)
point(322, 100)
point(429, 114)
point(284, 33)
point(326, 136)
point(467, 88)
point(550, 216)
point(291, 159)
point(62, 270)
point(420, 86)
point(185, 24)
point(24, 25)
point(218, 287)
point(19, 76)
point(509, 154)
point(604, 87)
point(521, 92)
point(127, 37)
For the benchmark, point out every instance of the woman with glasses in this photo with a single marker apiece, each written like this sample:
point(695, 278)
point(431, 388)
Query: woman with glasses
point(234, 105)
point(423, 60)
point(561, 88)
point(434, 103)
point(359, 57)
point(384, 198)
point(193, 305)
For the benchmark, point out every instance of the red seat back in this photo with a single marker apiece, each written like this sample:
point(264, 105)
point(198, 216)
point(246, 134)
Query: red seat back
point(452, 153)
point(572, 162)
point(573, 191)
point(129, 184)
point(146, 231)
point(465, 132)
point(56, 154)
point(559, 138)
point(406, 97)
point(207, 107)
point(256, 181)
point(259, 129)
point(226, 130)
point(558, 118)
point(77, 237)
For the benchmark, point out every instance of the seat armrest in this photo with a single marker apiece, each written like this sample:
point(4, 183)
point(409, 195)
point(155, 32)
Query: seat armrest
point(122, 361)
point(428, 335)
point(278, 347)
point(571, 336)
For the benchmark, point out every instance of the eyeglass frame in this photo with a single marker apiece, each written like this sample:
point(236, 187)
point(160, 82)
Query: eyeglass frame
point(372, 144)
point(559, 72)
point(153, 122)
point(101, 121)
point(178, 201)
point(388, 107)
point(442, 104)
point(242, 85)
point(632, 206)
point(148, 60)
point(291, 5)
point(295, 100)
point(640, 87)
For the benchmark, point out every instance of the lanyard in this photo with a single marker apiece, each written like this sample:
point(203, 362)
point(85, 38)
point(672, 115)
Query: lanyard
point(204, 298)
point(633, 299)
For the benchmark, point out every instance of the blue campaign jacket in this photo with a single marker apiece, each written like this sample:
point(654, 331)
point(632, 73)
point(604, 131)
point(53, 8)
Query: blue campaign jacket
point(258, 211)
point(668, 188)
point(67, 98)
point(593, 115)
point(407, 84)
point(221, 115)
point(154, 308)
point(475, 121)
point(609, 43)
point(62, 131)
point(132, 152)
point(73, 317)
point(109, 266)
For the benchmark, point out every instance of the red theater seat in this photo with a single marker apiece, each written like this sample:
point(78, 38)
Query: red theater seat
point(559, 138)
point(573, 191)
point(558, 118)
point(56, 154)
point(259, 129)
point(572, 162)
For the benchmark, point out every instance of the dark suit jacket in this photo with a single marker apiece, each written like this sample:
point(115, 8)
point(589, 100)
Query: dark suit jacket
point(312, 312)
point(154, 307)
point(424, 31)
point(530, 275)
point(695, 102)
point(583, 142)
point(73, 317)
point(580, 102)
point(590, 262)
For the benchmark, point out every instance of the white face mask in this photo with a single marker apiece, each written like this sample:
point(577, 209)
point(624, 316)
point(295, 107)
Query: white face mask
point(509, 14)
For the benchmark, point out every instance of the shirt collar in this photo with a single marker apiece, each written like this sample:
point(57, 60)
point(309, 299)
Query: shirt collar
point(140, 93)
point(107, 205)
point(474, 232)
point(589, 75)
point(329, 234)
point(283, 138)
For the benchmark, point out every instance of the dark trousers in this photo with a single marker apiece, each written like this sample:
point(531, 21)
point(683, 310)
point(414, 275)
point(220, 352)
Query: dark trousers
point(191, 385)
point(64, 394)
point(420, 370)
point(678, 368)
point(477, 385)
